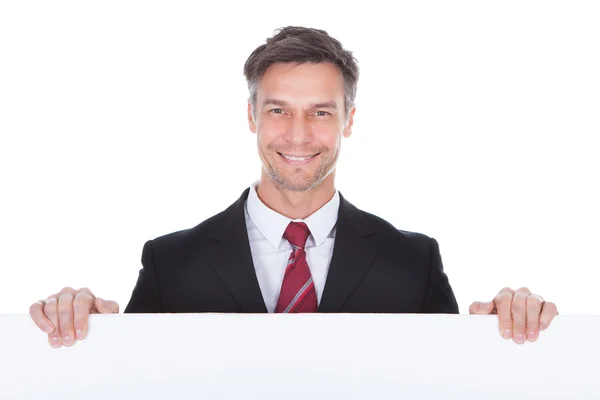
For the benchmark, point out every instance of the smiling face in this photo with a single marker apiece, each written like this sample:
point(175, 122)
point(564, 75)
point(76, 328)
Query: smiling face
point(300, 121)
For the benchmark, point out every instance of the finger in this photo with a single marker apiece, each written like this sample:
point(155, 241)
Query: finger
point(519, 316)
point(36, 311)
point(507, 290)
point(534, 308)
point(82, 304)
point(549, 311)
point(503, 302)
point(483, 308)
point(107, 306)
point(65, 318)
point(524, 290)
point(51, 312)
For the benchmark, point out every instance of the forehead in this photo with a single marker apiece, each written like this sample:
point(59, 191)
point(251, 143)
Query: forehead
point(307, 82)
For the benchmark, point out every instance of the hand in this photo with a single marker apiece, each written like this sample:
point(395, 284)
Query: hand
point(64, 316)
point(521, 314)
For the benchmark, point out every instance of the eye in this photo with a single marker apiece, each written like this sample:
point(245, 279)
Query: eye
point(322, 113)
point(276, 111)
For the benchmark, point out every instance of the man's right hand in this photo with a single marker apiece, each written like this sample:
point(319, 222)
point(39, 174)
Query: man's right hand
point(64, 315)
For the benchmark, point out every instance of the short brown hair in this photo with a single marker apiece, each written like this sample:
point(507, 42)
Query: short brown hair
point(295, 44)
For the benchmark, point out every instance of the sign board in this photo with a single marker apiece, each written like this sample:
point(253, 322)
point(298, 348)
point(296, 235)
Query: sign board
point(309, 356)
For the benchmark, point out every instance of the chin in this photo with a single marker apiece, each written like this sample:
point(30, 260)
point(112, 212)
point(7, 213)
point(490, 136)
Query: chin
point(294, 185)
point(303, 185)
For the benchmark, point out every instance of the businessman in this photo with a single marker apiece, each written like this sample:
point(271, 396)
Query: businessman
point(292, 243)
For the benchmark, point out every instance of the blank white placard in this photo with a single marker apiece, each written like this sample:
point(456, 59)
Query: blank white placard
point(311, 356)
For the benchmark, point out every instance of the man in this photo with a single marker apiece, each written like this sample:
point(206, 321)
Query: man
point(292, 242)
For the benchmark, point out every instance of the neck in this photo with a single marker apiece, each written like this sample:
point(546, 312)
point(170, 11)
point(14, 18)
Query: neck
point(295, 205)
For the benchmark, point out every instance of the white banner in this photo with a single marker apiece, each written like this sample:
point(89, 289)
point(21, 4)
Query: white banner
point(313, 356)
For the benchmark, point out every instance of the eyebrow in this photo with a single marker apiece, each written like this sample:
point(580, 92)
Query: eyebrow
point(281, 103)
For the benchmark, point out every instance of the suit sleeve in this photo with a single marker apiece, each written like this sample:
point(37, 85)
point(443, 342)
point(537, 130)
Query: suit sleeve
point(146, 295)
point(439, 297)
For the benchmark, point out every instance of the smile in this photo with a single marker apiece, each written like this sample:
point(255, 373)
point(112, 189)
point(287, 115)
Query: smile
point(298, 158)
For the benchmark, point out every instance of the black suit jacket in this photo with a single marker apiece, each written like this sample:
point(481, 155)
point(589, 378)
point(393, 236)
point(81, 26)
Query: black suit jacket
point(375, 268)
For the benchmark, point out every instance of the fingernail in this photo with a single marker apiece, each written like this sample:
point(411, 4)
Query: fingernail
point(531, 335)
point(520, 338)
point(54, 341)
point(67, 340)
point(507, 334)
point(48, 328)
point(79, 334)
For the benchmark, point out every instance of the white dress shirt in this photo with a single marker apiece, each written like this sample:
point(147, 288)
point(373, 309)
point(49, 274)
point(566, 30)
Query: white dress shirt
point(270, 251)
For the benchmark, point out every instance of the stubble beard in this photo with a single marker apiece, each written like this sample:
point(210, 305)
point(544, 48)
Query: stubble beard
point(299, 182)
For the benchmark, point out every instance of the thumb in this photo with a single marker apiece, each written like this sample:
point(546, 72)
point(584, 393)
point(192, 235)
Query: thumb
point(106, 306)
point(483, 308)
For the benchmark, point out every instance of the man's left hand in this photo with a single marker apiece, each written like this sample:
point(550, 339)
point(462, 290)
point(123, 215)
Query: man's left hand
point(521, 314)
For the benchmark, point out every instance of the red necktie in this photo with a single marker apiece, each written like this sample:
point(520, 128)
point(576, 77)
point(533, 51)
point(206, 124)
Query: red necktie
point(298, 293)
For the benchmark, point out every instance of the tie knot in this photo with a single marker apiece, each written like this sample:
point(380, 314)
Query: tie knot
point(296, 233)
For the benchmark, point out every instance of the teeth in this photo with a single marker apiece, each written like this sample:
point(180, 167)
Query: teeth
point(296, 158)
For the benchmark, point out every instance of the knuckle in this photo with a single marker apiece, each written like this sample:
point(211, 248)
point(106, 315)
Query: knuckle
point(34, 308)
point(521, 297)
point(537, 296)
point(505, 297)
point(52, 299)
point(532, 311)
point(505, 318)
point(524, 289)
point(81, 300)
point(79, 325)
point(545, 319)
point(79, 308)
point(532, 326)
point(65, 298)
point(516, 309)
point(85, 290)
point(67, 289)
point(519, 326)
point(64, 308)
point(50, 310)
point(506, 323)
point(533, 301)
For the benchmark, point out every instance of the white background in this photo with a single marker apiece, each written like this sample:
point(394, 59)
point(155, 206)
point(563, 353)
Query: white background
point(476, 124)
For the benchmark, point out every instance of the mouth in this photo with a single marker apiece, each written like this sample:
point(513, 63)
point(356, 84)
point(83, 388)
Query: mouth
point(293, 159)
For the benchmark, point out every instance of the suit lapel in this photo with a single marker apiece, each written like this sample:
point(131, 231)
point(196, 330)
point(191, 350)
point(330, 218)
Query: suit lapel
point(353, 254)
point(231, 257)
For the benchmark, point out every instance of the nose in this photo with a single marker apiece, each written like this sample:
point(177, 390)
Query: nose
point(299, 131)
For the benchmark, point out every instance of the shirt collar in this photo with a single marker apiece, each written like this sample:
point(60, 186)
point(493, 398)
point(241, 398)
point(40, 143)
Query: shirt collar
point(272, 225)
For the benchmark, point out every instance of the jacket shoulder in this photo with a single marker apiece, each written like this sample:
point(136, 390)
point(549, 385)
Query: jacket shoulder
point(215, 227)
point(196, 234)
point(386, 229)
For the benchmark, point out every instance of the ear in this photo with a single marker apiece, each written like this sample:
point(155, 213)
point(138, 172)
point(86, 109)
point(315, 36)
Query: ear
point(251, 122)
point(348, 127)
